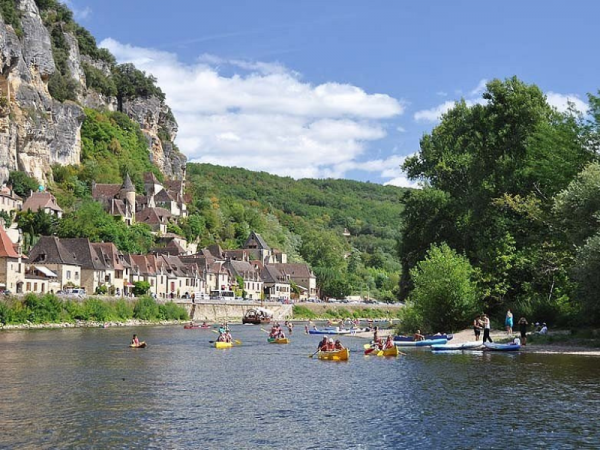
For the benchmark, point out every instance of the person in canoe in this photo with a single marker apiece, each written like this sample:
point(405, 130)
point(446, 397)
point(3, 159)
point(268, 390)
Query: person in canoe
point(135, 341)
point(322, 344)
point(418, 336)
point(376, 339)
point(228, 337)
point(338, 345)
point(389, 343)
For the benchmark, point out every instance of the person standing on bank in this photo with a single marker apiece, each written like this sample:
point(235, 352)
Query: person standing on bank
point(477, 327)
point(486, 329)
point(508, 322)
point(523, 330)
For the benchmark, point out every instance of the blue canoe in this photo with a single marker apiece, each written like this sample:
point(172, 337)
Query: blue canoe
point(502, 347)
point(425, 343)
point(457, 347)
point(333, 330)
point(427, 337)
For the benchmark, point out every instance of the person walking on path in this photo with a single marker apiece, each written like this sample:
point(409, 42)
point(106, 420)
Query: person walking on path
point(477, 325)
point(523, 330)
point(508, 322)
point(486, 329)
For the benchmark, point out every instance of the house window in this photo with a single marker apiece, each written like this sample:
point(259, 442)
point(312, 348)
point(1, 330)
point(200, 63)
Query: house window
point(76, 275)
point(34, 287)
point(68, 274)
point(151, 282)
point(28, 286)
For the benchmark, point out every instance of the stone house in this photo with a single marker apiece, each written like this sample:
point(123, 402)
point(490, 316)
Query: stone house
point(50, 252)
point(95, 271)
point(302, 275)
point(117, 200)
point(9, 201)
point(12, 270)
point(253, 283)
point(44, 201)
point(276, 284)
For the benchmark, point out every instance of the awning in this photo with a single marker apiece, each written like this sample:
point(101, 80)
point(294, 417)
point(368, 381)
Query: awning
point(46, 271)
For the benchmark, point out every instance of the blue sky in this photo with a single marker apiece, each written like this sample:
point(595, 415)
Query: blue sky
point(339, 88)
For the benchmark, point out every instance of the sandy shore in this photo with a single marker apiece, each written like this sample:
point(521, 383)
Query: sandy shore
point(468, 336)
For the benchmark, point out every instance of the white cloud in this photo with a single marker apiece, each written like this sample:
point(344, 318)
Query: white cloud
point(264, 117)
point(561, 101)
point(480, 88)
point(433, 114)
point(402, 181)
point(400, 129)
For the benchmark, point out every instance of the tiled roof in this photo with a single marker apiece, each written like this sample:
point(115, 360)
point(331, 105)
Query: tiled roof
point(149, 177)
point(260, 242)
point(6, 245)
point(163, 196)
point(153, 215)
point(107, 251)
point(295, 270)
point(105, 191)
point(7, 192)
point(271, 274)
point(84, 253)
point(41, 200)
point(127, 184)
point(50, 250)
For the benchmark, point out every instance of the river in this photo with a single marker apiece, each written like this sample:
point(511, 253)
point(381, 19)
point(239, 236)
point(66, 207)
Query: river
point(84, 388)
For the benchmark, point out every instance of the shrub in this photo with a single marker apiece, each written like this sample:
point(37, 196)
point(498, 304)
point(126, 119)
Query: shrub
point(303, 312)
point(171, 311)
point(98, 310)
point(123, 309)
point(146, 308)
point(43, 309)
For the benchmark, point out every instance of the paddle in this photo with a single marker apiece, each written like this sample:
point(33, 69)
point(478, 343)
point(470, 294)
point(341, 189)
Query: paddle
point(367, 346)
point(266, 331)
point(380, 353)
point(310, 356)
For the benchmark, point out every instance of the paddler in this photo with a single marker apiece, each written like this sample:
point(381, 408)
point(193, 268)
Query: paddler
point(135, 341)
point(323, 344)
point(389, 342)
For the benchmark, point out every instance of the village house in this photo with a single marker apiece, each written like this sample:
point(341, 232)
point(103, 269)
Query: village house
point(302, 275)
point(44, 201)
point(12, 272)
point(9, 201)
point(250, 273)
point(117, 200)
point(49, 252)
point(276, 284)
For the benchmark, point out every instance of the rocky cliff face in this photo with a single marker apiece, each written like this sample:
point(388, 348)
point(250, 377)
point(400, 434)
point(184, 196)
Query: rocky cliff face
point(37, 131)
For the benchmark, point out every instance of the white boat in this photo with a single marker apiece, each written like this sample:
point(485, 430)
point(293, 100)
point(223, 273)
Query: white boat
point(474, 345)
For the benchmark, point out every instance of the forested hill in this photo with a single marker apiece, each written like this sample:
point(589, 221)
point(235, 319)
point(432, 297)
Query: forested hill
point(307, 219)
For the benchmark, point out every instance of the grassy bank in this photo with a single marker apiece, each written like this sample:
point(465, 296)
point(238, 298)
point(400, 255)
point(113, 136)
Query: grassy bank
point(48, 308)
point(315, 311)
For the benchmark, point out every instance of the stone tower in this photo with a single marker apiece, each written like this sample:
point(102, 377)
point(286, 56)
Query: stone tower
point(127, 194)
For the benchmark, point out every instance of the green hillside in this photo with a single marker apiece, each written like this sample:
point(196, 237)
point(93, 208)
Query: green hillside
point(306, 219)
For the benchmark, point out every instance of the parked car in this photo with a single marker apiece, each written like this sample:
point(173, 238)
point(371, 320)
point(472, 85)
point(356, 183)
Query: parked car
point(5, 292)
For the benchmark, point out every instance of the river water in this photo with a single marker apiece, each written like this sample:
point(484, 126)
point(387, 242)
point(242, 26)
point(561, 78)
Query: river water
point(84, 388)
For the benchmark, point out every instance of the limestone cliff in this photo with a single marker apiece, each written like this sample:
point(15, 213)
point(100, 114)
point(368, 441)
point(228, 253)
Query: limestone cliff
point(38, 131)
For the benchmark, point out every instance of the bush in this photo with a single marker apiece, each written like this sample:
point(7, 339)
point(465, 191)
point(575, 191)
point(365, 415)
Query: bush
point(146, 308)
point(303, 312)
point(171, 311)
point(98, 310)
point(141, 288)
point(123, 309)
point(43, 309)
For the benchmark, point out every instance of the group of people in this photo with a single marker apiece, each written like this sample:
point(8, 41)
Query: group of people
point(483, 322)
point(328, 345)
point(379, 344)
point(224, 334)
point(276, 332)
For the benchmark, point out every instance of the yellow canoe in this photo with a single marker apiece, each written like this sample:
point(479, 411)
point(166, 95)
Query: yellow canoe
point(279, 341)
point(223, 344)
point(339, 355)
point(393, 351)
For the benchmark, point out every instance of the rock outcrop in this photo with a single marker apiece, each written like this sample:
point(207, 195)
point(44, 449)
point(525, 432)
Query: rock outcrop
point(36, 130)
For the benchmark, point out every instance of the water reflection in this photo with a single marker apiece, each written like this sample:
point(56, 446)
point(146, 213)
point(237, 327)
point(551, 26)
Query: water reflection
point(85, 387)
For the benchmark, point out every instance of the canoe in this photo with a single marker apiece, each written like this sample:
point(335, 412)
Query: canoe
point(193, 327)
point(140, 345)
point(278, 341)
point(393, 351)
point(340, 355)
point(336, 330)
point(502, 347)
point(425, 343)
point(448, 337)
point(223, 344)
point(464, 346)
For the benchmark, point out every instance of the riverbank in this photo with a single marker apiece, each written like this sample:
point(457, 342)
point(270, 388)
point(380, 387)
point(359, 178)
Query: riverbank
point(564, 348)
point(89, 324)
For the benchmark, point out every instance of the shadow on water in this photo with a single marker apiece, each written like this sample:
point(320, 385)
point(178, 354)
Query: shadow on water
point(86, 388)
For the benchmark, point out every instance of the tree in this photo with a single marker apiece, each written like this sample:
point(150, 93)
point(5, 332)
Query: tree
point(445, 295)
point(140, 288)
point(22, 183)
point(586, 272)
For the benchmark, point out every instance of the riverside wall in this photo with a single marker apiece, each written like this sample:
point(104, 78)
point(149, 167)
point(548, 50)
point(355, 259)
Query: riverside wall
point(233, 312)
